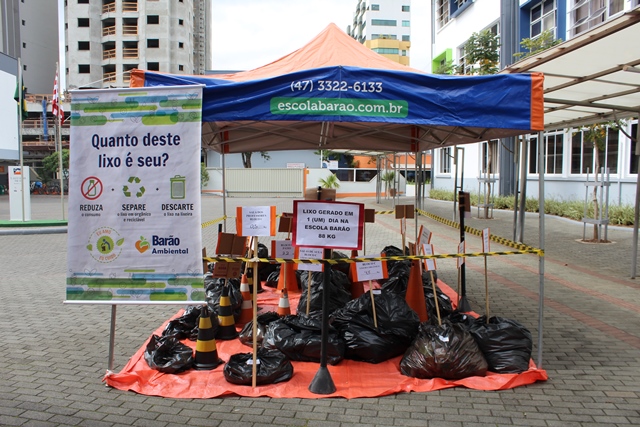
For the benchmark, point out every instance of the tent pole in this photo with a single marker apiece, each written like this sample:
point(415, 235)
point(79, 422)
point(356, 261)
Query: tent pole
point(224, 192)
point(516, 159)
point(523, 192)
point(541, 166)
point(636, 217)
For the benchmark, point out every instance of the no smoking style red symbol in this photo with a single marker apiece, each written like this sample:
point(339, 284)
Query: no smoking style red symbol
point(91, 188)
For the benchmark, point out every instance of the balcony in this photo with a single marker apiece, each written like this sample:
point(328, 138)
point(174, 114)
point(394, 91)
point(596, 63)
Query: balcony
point(129, 7)
point(109, 54)
point(130, 30)
point(109, 31)
point(129, 53)
point(109, 77)
point(109, 7)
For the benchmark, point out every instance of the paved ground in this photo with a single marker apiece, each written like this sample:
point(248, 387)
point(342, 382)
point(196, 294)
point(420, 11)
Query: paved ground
point(53, 356)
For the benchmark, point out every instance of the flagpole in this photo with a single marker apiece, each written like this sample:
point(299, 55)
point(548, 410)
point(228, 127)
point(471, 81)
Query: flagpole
point(58, 121)
point(20, 113)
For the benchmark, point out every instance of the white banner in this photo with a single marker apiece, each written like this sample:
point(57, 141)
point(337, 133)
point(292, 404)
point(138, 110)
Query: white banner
point(134, 232)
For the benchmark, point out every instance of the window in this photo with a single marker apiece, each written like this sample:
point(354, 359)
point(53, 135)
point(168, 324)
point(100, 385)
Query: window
point(181, 45)
point(406, 8)
point(24, 45)
point(180, 67)
point(490, 156)
point(375, 7)
point(153, 66)
point(404, 52)
point(180, 21)
point(384, 22)
point(405, 24)
point(153, 19)
point(84, 68)
point(542, 18)
point(153, 43)
point(442, 13)
point(386, 50)
point(406, 38)
point(83, 1)
point(84, 45)
point(582, 153)
point(445, 160)
point(83, 22)
point(586, 14)
point(633, 159)
point(462, 61)
point(553, 153)
point(384, 36)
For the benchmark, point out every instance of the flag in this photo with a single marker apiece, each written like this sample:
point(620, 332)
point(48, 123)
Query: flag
point(44, 119)
point(56, 104)
point(22, 109)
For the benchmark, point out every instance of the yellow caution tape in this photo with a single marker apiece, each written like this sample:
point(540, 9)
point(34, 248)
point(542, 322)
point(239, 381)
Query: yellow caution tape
point(213, 221)
point(385, 212)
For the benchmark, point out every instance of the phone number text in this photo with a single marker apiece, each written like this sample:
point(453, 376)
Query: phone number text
point(335, 86)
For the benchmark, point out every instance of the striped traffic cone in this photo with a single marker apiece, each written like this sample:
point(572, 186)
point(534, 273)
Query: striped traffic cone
point(227, 330)
point(206, 352)
point(283, 304)
point(246, 311)
point(288, 273)
point(249, 275)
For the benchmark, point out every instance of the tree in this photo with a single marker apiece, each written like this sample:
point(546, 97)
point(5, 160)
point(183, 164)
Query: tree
point(331, 181)
point(388, 177)
point(51, 162)
point(204, 175)
point(246, 158)
point(481, 53)
point(544, 41)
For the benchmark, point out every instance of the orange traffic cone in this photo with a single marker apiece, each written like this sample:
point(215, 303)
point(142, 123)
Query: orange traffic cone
point(283, 304)
point(287, 273)
point(227, 330)
point(415, 293)
point(246, 310)
point(206, 351)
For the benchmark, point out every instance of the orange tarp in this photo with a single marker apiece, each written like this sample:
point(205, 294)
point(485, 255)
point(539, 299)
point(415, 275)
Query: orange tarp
point(352, 379)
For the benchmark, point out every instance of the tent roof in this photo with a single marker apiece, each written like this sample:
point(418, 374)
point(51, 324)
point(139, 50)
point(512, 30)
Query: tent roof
point(247, 111)
point(332, 47)
point(591, 78)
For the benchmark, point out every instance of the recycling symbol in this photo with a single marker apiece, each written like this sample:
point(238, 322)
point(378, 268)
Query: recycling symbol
point(140, 189)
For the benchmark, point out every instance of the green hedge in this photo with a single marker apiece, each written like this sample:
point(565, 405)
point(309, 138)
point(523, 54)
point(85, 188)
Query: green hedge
point(618, 214)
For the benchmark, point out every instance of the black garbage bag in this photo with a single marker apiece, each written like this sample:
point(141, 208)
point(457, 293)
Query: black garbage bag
point(264, 319)
point(443, 351)
point(272, 367)
point(167, 354)
point(459, 317)
point(265, 268)
point(342, 266)
point(390, 251)
point(506, 344)
point(398, 277)
point(273, 277)
point(397, 327)
point(339, 296)
point(213, 291)
point(299, 337)
point(185, 326)
point(444, 304)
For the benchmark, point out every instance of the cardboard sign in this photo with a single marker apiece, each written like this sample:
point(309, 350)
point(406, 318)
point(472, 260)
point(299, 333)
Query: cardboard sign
point(369, 270)
point(256, 220)
point(286, 223)
point(461, 249)
point(405, 211)
point(486, 238)
point(231, 244)
point(369, 215)
point(309, 253)
point(336, 225)
point(282, 249)
point(224, 269)
point(429, 263)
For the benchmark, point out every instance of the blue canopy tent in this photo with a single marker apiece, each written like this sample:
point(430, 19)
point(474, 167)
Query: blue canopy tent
point(335, 94)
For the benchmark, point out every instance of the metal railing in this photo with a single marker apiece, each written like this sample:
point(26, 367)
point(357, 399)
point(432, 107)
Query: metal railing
point(109, 54)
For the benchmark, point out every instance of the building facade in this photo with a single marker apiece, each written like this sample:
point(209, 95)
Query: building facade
point(384, 26)
point(106, 39)
point(569, 159)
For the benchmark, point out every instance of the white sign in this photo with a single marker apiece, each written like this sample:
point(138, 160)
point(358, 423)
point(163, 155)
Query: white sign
point(19, 186)
point(309, 253)
point(336, 225)
point(424, 237)
point(283, 249)
point(295, 165)
point(429, 263)
point(486, 237)
point(369, 270)
point(461, 249)
point(134, 233)
point(256, 220)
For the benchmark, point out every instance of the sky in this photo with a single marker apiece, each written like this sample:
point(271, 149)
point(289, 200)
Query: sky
point(250, 33)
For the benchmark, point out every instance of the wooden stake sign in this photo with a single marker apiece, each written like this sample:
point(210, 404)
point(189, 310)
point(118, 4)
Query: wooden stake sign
point(486, 238)
point(309, 253)
point(370, 271)
point(430, 266)
point(402, 213)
